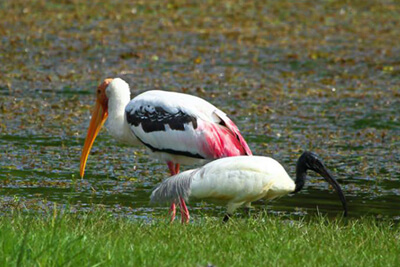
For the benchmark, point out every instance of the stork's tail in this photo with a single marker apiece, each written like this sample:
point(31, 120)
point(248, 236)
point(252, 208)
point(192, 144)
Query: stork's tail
point(174, 187)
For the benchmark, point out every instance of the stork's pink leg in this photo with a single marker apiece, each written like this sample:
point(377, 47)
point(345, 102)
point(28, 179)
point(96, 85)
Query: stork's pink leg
point(184, 211)
point(172, 212)
point(171, 167)
point(177, 168)
point(174, 169)
point(172, 209)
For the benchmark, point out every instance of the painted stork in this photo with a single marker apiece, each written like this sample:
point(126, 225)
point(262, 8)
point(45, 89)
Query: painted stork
point(177, 128)
point(240, 180)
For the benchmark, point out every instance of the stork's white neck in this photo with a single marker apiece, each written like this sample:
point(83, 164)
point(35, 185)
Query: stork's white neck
point(119, 95)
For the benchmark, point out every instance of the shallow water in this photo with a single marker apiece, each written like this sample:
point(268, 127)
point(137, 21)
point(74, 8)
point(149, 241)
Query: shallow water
point(39, 169)
point(289, 86)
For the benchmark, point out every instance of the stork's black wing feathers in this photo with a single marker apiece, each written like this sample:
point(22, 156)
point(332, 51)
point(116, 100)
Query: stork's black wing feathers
point(156, 118)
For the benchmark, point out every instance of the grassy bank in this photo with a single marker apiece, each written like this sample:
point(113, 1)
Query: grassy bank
point(96, 239)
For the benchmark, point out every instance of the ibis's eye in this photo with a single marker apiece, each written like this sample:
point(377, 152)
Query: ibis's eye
point(98, 91)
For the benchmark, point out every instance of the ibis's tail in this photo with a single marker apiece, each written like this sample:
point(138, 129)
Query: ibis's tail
point(174, 187)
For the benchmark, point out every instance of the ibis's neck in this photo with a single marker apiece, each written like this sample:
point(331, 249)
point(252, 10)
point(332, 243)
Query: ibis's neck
point(116, 122)
point(300, 180)
point(301, 174)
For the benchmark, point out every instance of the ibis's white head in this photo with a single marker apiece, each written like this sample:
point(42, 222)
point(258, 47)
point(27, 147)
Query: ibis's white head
point(108, 94)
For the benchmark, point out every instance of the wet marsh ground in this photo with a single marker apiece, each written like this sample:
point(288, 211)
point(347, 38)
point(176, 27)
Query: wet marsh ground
point(311, 75)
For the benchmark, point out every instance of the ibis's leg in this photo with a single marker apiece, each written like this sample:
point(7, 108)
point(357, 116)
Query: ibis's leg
point(226, 218)
point(231, 209)
point(177, 168)
point(247, 208)
point(172, 209)
point(184, 211)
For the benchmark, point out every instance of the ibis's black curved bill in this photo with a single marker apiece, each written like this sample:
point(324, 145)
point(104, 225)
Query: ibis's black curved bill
point(332, 181)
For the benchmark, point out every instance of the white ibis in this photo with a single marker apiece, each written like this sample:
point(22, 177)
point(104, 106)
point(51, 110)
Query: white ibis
point(240, 180)
point(177, 128)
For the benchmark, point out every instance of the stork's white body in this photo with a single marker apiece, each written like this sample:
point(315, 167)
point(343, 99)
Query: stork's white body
point(204, 132)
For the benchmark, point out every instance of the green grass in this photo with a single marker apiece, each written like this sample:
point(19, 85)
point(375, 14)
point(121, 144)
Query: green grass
point(98, 239)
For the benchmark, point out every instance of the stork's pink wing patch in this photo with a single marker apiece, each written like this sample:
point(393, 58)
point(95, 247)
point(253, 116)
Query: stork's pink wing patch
point(222, 140)
point(234, 129)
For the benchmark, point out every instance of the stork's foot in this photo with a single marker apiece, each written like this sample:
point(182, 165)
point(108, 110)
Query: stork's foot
point(184, 211)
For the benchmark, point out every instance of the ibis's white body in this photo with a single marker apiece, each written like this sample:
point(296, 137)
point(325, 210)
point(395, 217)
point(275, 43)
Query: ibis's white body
point(234, 181)
point(213, 136)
